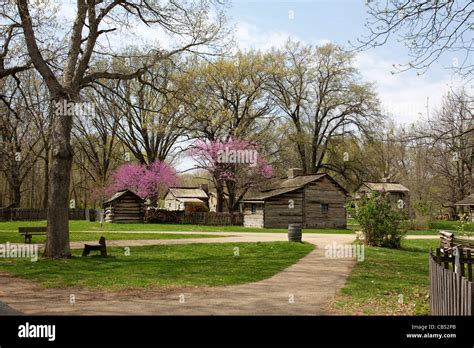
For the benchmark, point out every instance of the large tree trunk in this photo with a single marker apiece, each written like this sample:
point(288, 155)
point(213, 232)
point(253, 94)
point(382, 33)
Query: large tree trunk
point(46, 179)
point(16, 196)
point(57, 244)
point(33, 186)
point(15, 185)
point(219, 196)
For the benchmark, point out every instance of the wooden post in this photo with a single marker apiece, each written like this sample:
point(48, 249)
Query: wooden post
point(457, 263)
point(469, 265)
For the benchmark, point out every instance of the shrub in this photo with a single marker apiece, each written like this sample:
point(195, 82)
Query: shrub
point(196, 208)
point(379, 220)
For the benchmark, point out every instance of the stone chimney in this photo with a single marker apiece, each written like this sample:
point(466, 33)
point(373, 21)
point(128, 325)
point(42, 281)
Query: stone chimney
point(294, 172)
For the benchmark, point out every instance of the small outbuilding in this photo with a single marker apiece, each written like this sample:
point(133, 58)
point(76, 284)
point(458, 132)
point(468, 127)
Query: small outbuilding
point(124, 207)
point(314, 201)
point(399, 194)
point(468, 204)
point(183, 198)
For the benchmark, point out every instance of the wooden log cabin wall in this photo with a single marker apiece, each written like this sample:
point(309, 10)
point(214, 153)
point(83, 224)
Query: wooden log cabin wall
point(124, 207)
point(314, 201)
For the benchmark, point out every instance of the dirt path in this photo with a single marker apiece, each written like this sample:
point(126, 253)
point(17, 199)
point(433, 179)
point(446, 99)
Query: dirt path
point(303, 288)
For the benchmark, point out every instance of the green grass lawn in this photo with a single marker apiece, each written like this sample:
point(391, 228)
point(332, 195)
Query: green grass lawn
point(423, 232)
point(79, 225)
point(353, 225)
point(375, 284)
point(15, 237)
point(450, 225)
point(163, 266)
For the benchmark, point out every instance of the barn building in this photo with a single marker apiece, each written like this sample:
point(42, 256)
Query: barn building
point(124, 207)
point(314, 201)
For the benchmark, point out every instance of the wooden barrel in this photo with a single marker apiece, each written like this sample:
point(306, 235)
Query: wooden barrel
point(294, 233)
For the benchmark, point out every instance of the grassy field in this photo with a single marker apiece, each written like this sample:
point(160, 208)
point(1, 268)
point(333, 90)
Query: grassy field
point(423, 232)
point(433, 227)
point(164, 265)
point(78, 225)
point(449, 225)
point(15, 237)
point(388, 282)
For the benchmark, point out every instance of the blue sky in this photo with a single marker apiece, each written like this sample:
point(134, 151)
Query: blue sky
point(261, 24)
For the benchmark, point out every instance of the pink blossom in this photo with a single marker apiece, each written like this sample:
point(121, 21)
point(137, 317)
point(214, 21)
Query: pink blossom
point(145, 180)
point(224, 159)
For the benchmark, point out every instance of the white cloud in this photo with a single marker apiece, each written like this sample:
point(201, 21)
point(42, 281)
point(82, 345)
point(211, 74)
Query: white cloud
point(406, 96)
point(249, 36)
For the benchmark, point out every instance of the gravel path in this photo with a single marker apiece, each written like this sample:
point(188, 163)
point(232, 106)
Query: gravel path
point(304, 288)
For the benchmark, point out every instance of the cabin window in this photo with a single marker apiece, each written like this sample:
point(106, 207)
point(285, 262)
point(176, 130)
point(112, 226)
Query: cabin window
point(324, 208)
point(254, 208)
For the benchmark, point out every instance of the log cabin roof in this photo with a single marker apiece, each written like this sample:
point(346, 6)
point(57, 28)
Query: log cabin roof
point(120, 194)
point(190, 200)
point(296, 182)
point(469, 200)
point(188, 192)
point(287, 185)
point(383, 186)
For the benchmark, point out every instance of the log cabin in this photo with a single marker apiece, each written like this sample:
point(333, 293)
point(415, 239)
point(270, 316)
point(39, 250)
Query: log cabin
point(181, 198)
point(124, 207)
point(314, 201)
point(399, 194)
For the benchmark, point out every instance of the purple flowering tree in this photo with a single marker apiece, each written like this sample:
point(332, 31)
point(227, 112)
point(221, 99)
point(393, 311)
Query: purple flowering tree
point(147, 181)
point(235, 165)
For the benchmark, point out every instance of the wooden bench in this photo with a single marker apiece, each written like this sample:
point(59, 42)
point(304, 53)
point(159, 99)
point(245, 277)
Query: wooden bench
point(29, 232)
point(102, 247)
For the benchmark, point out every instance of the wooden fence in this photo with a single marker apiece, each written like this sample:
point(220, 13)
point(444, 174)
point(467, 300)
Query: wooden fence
point(451, 285)
point(16, 214)
point(163, 216)
point(213, 219)
point(151, 216)
point(447, 240)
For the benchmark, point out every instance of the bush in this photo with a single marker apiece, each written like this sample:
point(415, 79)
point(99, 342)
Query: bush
point(155, 215)
point(379, 220)
point(196, 208)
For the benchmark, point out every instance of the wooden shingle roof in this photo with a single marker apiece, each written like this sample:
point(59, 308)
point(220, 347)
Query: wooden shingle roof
point(188, 192)
point(120, 194)
point(288, 185)
point(383, 186)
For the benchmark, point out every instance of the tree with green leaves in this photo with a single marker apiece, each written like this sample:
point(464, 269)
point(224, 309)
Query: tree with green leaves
point(320, 92)
point(28, 25)
point(230, 101)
